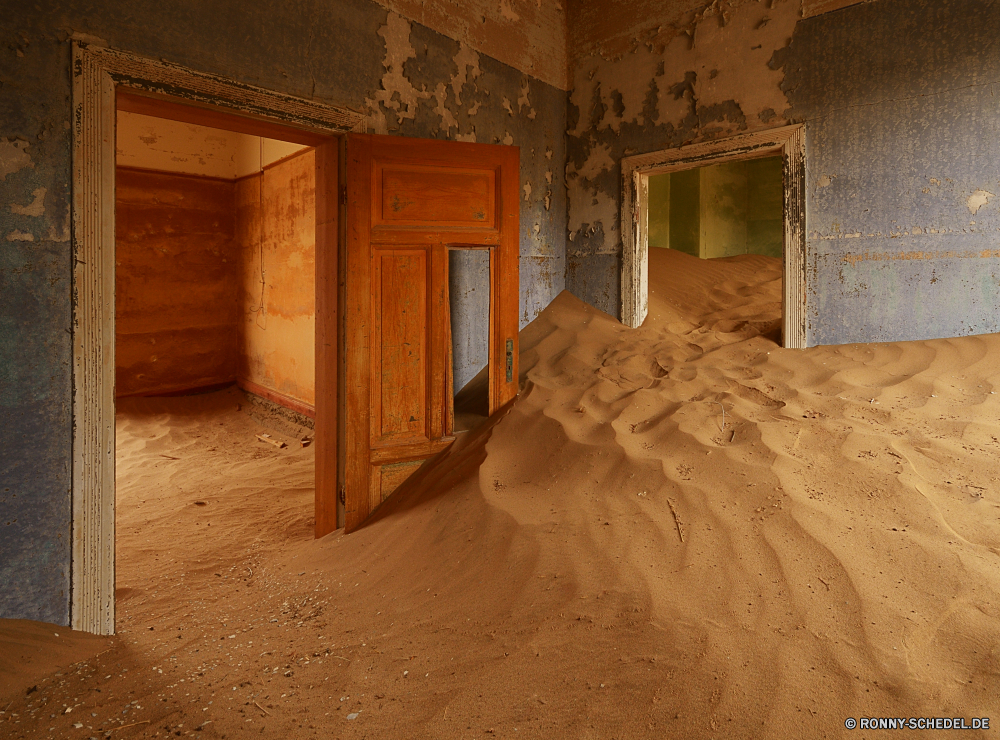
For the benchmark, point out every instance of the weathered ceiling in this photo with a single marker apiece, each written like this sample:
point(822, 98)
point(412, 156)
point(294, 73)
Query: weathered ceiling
point(542, 38)
point(613, 27)
point(528, 35)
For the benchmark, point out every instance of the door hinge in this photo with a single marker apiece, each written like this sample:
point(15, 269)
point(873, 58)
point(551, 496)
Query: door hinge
point(510, 360)
point(341, 496)
point(343, 195)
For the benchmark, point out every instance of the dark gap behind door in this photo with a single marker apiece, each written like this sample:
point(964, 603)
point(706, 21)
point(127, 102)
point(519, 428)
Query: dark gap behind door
point(469, 296)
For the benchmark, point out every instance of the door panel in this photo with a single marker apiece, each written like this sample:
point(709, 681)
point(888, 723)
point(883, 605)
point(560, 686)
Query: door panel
point(419, 196)
point(402, 324)
point(409, 201)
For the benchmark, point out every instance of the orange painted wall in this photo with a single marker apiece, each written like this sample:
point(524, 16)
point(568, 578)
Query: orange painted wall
point(176, 288)
point(277, 335)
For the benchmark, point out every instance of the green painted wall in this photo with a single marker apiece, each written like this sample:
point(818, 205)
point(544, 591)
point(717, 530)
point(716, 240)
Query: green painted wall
point(723, 208)
point(718, 211)
point(765, 225)
point(658, 211)
point(685, 221)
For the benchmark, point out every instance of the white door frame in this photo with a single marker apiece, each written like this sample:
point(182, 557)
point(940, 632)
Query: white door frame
point(787, 141)
point(96, 73)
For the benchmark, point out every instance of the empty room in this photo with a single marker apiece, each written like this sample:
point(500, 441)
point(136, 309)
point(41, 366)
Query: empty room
point(527, 369)
point(214, 343)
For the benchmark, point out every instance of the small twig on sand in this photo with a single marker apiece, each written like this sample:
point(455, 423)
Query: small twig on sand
point(677, 522)
point(123, 727)
point(341, 657)
point(267, 438)
point(824, 583)
point(723, 427)
point(261, 708)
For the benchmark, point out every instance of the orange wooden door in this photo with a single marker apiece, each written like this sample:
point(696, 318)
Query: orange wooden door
point(408, 201)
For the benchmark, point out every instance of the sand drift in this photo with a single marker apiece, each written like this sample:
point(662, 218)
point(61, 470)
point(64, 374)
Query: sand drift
point(681, 530)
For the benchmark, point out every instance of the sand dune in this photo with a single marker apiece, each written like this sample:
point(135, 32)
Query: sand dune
point(681, 530)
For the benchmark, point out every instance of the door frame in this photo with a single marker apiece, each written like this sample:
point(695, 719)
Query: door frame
point(790, 143)
point(98, 74)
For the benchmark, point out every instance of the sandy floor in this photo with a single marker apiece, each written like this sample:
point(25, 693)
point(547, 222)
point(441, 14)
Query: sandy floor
point(677, 531)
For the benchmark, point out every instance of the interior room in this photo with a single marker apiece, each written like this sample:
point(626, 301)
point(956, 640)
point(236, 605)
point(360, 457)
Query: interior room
point(214, 327)
point(718, 210)
point(211, 289)
point(636, 366)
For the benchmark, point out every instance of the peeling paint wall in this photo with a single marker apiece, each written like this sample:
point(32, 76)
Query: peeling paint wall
point(433, 86)
point(901, 123)
point(669, 77)
point(410, 80)
point(529, 35)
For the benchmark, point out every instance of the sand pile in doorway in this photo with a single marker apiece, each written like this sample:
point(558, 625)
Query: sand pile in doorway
point(612, 559)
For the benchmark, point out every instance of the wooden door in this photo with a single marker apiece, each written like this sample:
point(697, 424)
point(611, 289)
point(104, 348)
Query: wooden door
point(408, 202)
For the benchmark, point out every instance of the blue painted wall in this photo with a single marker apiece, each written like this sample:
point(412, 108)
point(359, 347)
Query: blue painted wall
point(903, 127)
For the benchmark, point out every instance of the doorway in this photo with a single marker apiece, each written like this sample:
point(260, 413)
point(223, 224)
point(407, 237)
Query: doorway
point(214, 344)
point(381, 285)
point(101, 77)
point(719, 210)
point(718, 199)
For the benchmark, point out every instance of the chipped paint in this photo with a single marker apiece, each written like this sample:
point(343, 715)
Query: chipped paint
point(35, 208)
point(400, 98)
point(20, 236)
point(527, 35)
point(397, 93)
point(977, 200)
point(675, 82)
point(14, 157)
point(892, 252)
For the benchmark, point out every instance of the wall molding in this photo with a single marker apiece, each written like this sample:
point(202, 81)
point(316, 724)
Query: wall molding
point(277, 163)
point(97, 74)
point(277, 397)
point(787, 141)
point(172, 173)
